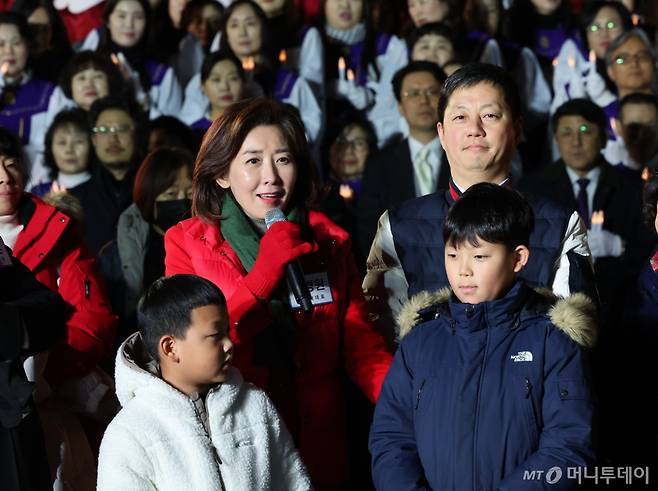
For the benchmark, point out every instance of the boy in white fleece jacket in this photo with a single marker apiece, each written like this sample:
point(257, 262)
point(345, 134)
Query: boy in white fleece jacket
point(189, 420)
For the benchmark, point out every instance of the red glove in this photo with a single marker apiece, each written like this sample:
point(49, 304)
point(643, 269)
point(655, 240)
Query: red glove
point(280, 245)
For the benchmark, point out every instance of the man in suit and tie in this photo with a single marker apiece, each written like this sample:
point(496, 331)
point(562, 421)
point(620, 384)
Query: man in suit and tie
point(608, 200)
point(413, 166)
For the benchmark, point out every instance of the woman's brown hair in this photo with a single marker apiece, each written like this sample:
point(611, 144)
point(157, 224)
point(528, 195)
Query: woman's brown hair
point(156, 174)
point(223, 141)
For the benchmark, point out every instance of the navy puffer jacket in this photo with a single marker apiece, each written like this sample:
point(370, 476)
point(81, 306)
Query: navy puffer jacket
point(482, 393)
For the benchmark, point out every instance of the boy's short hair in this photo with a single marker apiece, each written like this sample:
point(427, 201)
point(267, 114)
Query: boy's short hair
point(166, 307)
point(415, 67)
point(490, 213)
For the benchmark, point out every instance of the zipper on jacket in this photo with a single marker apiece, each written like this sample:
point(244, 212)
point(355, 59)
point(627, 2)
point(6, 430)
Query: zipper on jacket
point(477, 401)
point(453, 327)
point(87, 288)
point(217, 458)
point(420, 390)
point(528, 387)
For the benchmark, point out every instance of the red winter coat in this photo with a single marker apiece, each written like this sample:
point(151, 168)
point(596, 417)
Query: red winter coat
point(333, 334)
point(51, 247)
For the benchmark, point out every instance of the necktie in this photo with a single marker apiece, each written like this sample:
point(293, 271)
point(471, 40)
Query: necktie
point(581, 201)
point(426, 179)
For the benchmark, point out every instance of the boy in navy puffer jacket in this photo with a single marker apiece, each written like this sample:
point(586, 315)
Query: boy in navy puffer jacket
point(491, 389)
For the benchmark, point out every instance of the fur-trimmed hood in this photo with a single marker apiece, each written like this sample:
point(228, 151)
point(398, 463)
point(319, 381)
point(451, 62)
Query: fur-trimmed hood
point(575, 315)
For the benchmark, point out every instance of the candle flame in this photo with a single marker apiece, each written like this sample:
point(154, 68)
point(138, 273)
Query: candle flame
point(635, 19)
point(571, 61)
point(645, 174)
point(613, 124)
point(248, 63)
point(598, 217)
point(341, 63)
point(5, 68)
point(346, 192)
point(592, 56)
point(350, 75)
point(554, 62)
point(283, 56)
point(114, 58)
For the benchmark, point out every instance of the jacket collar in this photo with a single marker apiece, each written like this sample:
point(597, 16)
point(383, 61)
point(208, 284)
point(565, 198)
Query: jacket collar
point(501, 312)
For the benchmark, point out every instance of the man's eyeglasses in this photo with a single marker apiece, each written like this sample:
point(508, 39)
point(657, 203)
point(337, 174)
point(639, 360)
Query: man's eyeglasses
point(416, 94)
point(641, 57)
point(609, 26)
point(120, 129)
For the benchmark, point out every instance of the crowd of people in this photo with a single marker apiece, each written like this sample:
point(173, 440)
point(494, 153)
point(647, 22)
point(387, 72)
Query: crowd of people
point(469, 190)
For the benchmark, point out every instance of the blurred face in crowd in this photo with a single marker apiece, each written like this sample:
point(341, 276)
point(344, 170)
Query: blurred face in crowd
point(223, 86)
point(546, 7)
point(605, 28)
point(70, 149)
point(114, 138)
point(88, 85)
point(271, 7)
point(262, 176)
point(181, 188)
point(205, 24)
point(127, 23)
point(484, 272)
point(638, 126)
point(434, 48)
point(349, 152)
point(13, 50)
point(490, 9)
point(632, 67)
point(175, 11)
point(418, 103)
point(39, 22)
point(244, 32)
point(426, 11)
point(343, 14)
point(579, 143)
point(478, 134)
point(11, 185)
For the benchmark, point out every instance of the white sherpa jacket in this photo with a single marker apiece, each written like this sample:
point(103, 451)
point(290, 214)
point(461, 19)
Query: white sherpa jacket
point(158, 442)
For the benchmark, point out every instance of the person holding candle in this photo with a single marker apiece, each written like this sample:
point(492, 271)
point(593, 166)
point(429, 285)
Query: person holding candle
point(124, 37)
point(24, 100)
point(245, 35)
point(255, 158)
point(362, 80)
point(580, 66)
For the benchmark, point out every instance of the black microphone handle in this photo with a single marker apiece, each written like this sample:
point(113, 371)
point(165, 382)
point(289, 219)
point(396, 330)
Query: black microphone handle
point(297, 284)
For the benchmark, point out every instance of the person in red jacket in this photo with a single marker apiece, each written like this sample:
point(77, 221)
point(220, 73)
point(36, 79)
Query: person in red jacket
point(255, 158)
point(47, 241)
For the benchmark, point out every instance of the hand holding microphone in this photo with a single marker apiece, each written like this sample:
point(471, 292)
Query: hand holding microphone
point(279, 250)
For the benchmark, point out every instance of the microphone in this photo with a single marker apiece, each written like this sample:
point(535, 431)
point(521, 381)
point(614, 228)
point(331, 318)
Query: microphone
point(294, 273)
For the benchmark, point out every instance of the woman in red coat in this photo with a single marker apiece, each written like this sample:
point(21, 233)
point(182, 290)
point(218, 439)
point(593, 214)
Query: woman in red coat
point(254, 158)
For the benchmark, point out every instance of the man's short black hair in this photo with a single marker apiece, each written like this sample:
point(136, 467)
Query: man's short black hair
point(473, 74)
point(166, 307)
point(584, 108)
point(490, 213)
point(414, 67)
point(637, 98)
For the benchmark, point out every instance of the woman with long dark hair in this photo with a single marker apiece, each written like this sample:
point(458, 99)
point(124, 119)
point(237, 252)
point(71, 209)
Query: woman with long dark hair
point(254, 159)
point(124, 37)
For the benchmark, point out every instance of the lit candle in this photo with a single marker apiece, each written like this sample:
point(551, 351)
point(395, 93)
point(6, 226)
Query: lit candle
point(635, 19)
point(283, 57)
point(350, 75)
point(613, 125)
point(346, 192)
point(598, 217)
point(4, 68)
point(248, 65)
point(592, 58)
point(341, 68)
point(554, 63)
point(571, 61)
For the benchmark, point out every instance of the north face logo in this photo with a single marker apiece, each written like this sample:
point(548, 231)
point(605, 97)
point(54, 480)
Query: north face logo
point(522, 356)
